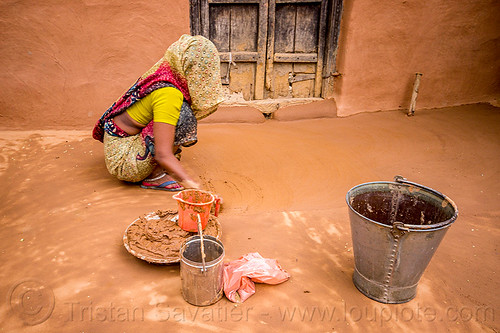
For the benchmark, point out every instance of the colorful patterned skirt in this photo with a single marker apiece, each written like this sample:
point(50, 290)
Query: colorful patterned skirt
point(128, 158)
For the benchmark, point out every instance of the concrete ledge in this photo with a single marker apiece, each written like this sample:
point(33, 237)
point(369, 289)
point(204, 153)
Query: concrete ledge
point(326, 108)
point(235, 114)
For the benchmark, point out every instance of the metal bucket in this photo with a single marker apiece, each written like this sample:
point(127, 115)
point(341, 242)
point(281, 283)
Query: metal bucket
point(396, 227)
point(202, 287)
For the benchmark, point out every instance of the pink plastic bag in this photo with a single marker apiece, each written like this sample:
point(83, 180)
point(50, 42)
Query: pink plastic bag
point(240, 275)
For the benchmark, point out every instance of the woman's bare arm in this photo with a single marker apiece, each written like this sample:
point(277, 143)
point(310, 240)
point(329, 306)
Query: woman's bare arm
point(164, 142)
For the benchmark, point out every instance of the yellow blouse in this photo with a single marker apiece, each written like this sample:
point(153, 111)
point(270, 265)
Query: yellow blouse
point(162, 105)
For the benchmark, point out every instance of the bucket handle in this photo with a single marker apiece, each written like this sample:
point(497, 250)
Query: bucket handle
point(402, 180)
point(217, 203)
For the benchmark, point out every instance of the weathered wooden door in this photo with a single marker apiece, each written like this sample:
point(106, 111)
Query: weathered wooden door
point(271, 48)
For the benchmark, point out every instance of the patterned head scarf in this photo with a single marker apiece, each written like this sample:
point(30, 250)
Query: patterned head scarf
point(192, 65)
point(196, 60)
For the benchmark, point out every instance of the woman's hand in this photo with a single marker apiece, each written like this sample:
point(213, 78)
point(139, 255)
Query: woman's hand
point(191, 184)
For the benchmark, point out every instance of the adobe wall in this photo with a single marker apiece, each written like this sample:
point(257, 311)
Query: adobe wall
point(455, 44)
point(64, 62)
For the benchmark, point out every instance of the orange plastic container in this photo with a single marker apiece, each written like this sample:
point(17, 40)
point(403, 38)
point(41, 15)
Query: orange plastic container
point(192, 203)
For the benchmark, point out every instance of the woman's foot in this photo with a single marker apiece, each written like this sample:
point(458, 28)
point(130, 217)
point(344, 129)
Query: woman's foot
point(162, 182)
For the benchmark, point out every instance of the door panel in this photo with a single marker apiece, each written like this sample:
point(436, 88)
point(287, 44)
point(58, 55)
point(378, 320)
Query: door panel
point(306, 28)
point(219, 29)
point(284, 33)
